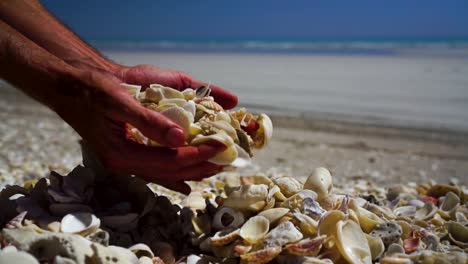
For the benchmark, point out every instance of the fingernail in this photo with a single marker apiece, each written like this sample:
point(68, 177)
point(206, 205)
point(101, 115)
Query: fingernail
point(175, 137)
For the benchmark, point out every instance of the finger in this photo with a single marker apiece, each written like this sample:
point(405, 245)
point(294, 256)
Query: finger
point(152, 124)
point(225, 98)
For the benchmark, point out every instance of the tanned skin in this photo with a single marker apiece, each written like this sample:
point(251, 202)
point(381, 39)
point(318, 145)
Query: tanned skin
point(50, 63)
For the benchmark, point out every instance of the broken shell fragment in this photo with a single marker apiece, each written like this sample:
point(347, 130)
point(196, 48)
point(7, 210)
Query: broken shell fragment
point(262, 255)
point(283, 234)
point(306, 247)
point(222, 238)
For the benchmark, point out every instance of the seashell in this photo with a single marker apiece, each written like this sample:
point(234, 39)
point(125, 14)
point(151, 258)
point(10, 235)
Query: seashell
point(276, 193)
point(189, 94)
point(248, 197)
point(297, 200)
point(395, 260)
point(450, 202)
point(54, 226)
point(417, 203)
point(223, 116)
point(156, 93)
point(141, 250)
point(16, 221)
point(458, 234)
point(306, 247)
point(376, 246)
point(265, 131)
point(17, 257)
point(307, 225)
point(227, 218)
point(320, 181)
point(328, 222)
point(99, 236)
point(242, 248)
point(406, 228)
point(352, 242)
point(283, 234)
point(174, 102)
point(228, 156)
point(133, 89)
point(409, 210)
point(190, 107)
point(79, 223)
point(440, 190)
point(288, 185)
point(426, 212)
point(255, 179)
point(389, 232)
point(255, 229)
point(179, 116)
point(222, 238)
point(195, 201)
point(394, 249)
point(261, 256)
point(432, 242)
point(274, 214)
point(367, 220)
point(203, 91)
point(311, 207)
point(411, 244)
point(211, 105)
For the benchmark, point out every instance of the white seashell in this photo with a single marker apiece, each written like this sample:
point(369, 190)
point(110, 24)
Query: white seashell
point(248, 197)
point(426, 212)
point(265, 131)
point(307, 224)
point(288, 185)
point(179, 116)
point(243, 158)
point(18, 257)
point(234, 218)
point(320, 181)
point(195, 201)
point(255, 229)
point(156, 93)
point(352, 242)
point(283, 234)
point(376, 246)
point(306, 247)
point(62, 260)
point(274, 214)
point(224, 158)
point(82, 223)
point(408, 210)
point(190, 107)
point(223, 116)
point(222, 238)
point(141, 250)
point(133, 89)
point(173, 101)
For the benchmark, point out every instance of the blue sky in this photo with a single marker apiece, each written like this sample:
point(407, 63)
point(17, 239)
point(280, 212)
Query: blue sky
point(107, 20)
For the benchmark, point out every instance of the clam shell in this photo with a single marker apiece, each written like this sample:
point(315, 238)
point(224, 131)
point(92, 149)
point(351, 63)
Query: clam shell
point(17, 257)
point(156, 93)
point(141, 250)
point(426, 212)
point(133, 89)
point(458, 234)
point(274, 214)
point(227, 218)
point(248, 197)
point(222, 238)
point(224, 158)
point(283, 234)
point(261, 256)
point(265, 131)
point(188, 93)
point(288, 185)
point(450, 202)
point(211, 105)
point(179, 116)
point(320, 181)
point(352, 242)
point(307, 224)
point(195, 201)
point(306, 247)
point(79, 223)
point(376, 246)
point(255, 229)
point(367, 220)
point(408, 210)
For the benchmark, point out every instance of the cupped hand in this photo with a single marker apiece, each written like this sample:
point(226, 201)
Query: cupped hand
point(148, 74)
point(98, 107)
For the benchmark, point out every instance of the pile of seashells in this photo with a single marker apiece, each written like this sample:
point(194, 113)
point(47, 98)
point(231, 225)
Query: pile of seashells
point(203, 120)
point(90, 216)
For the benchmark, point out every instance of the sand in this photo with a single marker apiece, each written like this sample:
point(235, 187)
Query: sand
point(388, 119)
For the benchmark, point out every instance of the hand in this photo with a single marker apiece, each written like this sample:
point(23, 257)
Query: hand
point(98, 108)
point(148, 74)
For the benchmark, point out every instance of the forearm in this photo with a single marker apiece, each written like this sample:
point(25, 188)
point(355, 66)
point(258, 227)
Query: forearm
point(31, 68)
point(31, 19)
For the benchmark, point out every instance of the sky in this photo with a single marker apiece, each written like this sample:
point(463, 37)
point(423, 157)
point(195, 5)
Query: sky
point(124, 20)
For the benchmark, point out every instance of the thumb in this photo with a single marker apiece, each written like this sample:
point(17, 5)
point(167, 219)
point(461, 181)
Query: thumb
point(153, 124)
